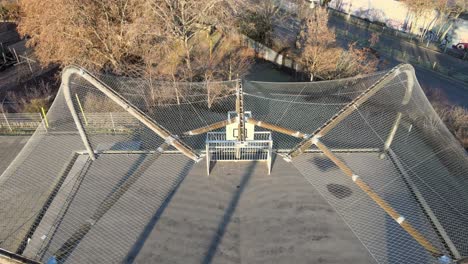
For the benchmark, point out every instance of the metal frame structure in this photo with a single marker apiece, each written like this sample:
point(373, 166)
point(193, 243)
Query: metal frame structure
point(240, 113)
point(313, 139)
point(220, 149)
point(347, 110)
point(72, 242)
point(261, 149)
point(125, 104)
point(396, 124)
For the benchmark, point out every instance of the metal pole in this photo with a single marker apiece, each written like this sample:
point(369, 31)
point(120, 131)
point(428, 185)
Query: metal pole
point(112, 120)
point(391, 135)
point(29, 64)
point(270, 153)
point(208, 156)
point(406, 100)
point(118, 99)
point(43, 122)
point(240, 119)
point(45, 117)
point(240, 112)
point(347, 110)
point(66, 80)
point(427, 209)
point(276, 128)
point(211, 127)
point(16, 55)
point(381, 202)
point(6, 120)
point(81, 108)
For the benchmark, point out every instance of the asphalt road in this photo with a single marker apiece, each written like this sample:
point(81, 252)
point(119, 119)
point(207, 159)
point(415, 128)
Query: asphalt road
point(455, 91)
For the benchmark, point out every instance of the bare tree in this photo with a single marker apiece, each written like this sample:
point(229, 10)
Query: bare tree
point(419, 9)
point(448, 11)
point(9, 10)
point(355, 61)
point(133, 37)
point(220, 57)
point(258, 18)
point(97, 34)
point(318, 44)
point(182, 20)
point(321, 55)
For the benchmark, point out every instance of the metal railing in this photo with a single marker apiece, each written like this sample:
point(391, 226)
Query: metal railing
point(27, 123)
point(22, 123)
point(220, 149)
point(117, 122)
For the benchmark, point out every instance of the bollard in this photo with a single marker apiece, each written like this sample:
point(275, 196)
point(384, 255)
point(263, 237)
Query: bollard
point(112, 120)
point(6, 120)
point(81, 109)
point(45, 117)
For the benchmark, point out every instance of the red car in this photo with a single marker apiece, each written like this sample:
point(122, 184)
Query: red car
point(461, 46)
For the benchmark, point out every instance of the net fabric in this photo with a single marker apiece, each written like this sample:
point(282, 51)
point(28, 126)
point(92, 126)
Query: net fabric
point(28, 181)
point(178, 107)
point(430, 160)
point(384, 238)
point(122, 222)
point(52, 190)
point(301, 106)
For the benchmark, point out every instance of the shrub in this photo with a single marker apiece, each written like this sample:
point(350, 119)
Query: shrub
point(9, 11)
point(32, 99)
point(454, 117)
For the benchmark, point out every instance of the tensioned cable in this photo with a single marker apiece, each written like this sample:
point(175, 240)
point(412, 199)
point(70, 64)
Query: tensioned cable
point(287, 101)
point(40, 209)
point(289, 105)
point(466, 217)
point(188, 102)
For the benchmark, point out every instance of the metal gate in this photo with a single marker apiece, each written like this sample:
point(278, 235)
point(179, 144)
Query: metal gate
point(220, 149)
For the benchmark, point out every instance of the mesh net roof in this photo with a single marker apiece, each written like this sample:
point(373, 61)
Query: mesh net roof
point(58, 202)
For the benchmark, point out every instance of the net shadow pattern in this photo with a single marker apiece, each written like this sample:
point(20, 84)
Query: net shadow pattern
point(428, 160)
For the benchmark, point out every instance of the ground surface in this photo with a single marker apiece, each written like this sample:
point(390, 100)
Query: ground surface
point(251, 218)
point(238, 214)
point(455, 91)
point(10, 146)
point(268, 72)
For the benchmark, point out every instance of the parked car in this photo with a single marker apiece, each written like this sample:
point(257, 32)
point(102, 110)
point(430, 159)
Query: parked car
point(461, 46)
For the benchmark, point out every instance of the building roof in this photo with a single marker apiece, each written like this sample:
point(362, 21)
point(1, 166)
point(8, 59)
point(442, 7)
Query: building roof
point(128, 202)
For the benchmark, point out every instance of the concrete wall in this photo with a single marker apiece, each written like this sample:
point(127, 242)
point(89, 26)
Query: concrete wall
point(270, 55)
